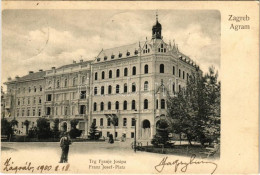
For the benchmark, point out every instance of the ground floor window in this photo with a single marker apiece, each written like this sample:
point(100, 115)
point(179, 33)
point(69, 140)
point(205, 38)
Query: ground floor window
point(132, 134)
point(108, 134)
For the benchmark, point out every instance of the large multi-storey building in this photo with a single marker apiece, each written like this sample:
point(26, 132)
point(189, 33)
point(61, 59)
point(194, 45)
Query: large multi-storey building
point(129, 83)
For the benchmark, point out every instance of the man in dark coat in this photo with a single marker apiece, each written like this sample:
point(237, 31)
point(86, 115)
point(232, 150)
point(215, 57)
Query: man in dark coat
point(64, 144)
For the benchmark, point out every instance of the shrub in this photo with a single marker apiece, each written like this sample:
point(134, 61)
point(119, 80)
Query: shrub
point(74, 133)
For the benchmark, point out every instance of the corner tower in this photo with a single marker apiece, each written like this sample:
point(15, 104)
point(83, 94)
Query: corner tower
point(157, 29)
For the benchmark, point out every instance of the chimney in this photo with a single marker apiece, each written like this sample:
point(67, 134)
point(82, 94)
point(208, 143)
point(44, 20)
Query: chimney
point(81, 61)
point(30, 72)
point(53, 68)
point(9, 78)
point(74, 62)
point(17, 77)
point(40, 70)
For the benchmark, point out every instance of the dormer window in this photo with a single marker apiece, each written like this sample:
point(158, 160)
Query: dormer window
point(105, 58)
point(112, 56)
point(98, 59)
point(127, 53)
point(136, 52)
point(120, 55)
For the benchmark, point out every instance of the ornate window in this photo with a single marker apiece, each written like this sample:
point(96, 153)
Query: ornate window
point(162, 104)
point(109, 105)
point(146, 69)
point(96, 75)
point(124, 121)
point(65, 83)
point(95, 90)
point(109, 89)
point(110, 74)
point(103, 75)
point(125, 88)
point(133, 104)
point(117, 105)
point(95, 106)
point(161, 68)
point(134, 70)
point(117, 73)
point(146, 86)
point(101, 106)
point(133, 87)
point(125, 105)
point(145, 104)
point(125, 72)
point(173, 70)
point(117, 89)
point(102, 90)
point(101, 122)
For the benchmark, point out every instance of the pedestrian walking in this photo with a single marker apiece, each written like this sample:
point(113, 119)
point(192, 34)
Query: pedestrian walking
point(64, 144)
point(111, 139)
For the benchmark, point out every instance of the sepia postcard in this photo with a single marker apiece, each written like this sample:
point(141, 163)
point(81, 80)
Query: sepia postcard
point(130, 87)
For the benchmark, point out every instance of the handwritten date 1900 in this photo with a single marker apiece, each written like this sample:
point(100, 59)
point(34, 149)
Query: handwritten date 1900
point(10, 166)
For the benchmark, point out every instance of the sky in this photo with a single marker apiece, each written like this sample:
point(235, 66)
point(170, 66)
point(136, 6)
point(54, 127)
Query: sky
point(41, 39)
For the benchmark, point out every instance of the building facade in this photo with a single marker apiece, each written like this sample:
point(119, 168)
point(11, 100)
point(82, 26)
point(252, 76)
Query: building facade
point(122, 87)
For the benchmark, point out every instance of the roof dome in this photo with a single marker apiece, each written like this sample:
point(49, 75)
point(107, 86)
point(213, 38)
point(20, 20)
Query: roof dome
point(157, 25)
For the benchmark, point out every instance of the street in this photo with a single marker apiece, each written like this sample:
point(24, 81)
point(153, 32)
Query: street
point(92, 157)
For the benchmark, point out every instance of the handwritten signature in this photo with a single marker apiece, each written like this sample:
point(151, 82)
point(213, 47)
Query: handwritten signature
point(182, 165)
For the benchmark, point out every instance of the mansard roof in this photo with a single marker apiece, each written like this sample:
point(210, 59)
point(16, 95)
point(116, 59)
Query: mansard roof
point(30, 76)
point(120, 52)
point(75, 64)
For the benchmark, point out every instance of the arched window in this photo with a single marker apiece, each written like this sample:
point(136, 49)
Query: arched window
point(133, 87)
point(146, 69)
point(101, 122)
point(162, 104)
point(95, 90)
point(146, 86)
point(179, 73)
point(65, 82)
point(108, 122)
point(157, 104)
point(125, 105)
point(125, 88)
point(145, 104)
point(103, 75)
point(134, 70)
point(58, 83)
point(173, 70)
point(124, 121)
point(133, 104)
point(40, 88)
point(117, 73)
point(161, 68)
point(183, 74)
point(101, 106)
point(117, 105)
point(35, 89)
point(117, 89)
point(109, 89)
point(96, 76)
point(125, 72)
point(95, 106)
point(110, 74)
point(29, 89)
point(179, 87)
point(109, 105)
point(102, 90)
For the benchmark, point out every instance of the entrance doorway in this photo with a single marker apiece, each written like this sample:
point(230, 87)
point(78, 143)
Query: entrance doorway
point(146, 129)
